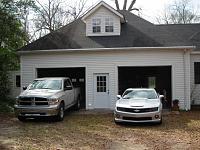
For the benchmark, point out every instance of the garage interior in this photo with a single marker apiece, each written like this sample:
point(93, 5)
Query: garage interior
point(77, 76)
point(158, 77)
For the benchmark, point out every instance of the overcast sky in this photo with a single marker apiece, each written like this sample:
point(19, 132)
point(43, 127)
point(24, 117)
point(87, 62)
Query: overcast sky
point(149, 8)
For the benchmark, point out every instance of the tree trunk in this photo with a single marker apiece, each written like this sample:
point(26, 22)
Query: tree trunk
point(125, 4)
point(117, 4)
point(131, 5)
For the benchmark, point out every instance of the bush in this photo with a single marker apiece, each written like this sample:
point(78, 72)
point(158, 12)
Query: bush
point(6, 105)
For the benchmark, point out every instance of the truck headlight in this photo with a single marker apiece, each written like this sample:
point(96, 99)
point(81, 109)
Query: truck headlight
point(53, 101)
point(17, 101)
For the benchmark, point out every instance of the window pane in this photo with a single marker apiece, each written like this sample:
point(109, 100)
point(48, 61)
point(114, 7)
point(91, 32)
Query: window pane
point(109, 29)
point(18, 81)
point(197, 72)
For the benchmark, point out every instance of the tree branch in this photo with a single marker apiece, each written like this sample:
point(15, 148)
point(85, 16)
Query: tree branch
point(131, 5)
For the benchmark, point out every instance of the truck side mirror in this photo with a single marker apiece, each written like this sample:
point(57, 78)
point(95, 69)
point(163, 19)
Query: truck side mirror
point(24, 88)
point(68, 88)
point(161, 96)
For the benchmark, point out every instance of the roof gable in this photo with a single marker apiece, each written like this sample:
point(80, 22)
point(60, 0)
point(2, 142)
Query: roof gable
point(103, 4)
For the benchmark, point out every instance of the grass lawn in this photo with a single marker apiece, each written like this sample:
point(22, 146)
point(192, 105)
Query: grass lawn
point(98, 131)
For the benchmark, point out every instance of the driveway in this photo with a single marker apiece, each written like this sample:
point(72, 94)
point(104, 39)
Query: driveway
point(88, 131)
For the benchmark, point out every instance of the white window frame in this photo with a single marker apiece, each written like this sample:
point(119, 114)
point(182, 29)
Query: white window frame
point(96, 23)
point(109, 25)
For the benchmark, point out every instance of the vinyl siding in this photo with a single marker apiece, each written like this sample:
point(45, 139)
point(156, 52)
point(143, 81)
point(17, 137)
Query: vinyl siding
point(102, 13)
point(195, 88)
point(108, 62)
point(14, 91)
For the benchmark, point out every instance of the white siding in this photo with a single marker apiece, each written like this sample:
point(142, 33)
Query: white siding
point(107, 62)
point(195, 88)
point(14, 91)
point(102, 13)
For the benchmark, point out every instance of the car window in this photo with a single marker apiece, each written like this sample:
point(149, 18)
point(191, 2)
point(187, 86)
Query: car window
point(46, 84)
point(137, 94)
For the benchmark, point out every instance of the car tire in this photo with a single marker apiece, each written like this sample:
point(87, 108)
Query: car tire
point(78, 104)
point(21, 118)
point(61, 113)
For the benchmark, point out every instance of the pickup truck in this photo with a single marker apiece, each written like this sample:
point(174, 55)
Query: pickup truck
point(47, 97)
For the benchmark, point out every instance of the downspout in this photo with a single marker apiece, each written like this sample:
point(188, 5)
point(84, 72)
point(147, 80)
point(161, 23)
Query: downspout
point(184, 63)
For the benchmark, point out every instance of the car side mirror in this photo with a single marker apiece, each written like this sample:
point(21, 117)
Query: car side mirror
point(68, 88)
point(119, 97)
point(24, 88)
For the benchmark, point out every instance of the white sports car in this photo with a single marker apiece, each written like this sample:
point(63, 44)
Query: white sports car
point(138, 105)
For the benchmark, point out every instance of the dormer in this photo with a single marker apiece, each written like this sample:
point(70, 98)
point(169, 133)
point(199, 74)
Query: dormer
point(103, 20)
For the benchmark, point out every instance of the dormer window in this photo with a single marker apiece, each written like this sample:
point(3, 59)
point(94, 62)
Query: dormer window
point(109, 25)
point(96, 25)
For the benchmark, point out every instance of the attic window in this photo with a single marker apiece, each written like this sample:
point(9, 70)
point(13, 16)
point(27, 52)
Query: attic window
point(109, 25)
point(96, 25)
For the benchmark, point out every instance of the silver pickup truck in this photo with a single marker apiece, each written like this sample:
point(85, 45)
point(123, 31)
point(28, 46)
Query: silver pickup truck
point(47, 97)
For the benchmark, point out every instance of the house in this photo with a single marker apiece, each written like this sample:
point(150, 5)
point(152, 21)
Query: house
point(106, 51)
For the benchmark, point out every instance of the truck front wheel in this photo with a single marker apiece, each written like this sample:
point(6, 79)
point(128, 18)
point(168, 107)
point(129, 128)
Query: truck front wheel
point(61, 113)
point(21, 118)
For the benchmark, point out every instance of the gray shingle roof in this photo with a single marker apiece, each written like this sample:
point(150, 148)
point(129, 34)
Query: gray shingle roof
point(136, 32)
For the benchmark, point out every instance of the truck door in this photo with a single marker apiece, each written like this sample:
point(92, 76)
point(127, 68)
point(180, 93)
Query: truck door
point(69, 94)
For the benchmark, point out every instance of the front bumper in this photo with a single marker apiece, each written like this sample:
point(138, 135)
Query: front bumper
point(36, 111)
point(138, 117)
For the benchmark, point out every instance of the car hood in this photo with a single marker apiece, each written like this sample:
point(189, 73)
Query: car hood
point(40, 93)
point(138, 103)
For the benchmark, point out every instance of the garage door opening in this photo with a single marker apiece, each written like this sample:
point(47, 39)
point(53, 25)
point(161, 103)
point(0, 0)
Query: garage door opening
point(77, 75)
point(158, 77)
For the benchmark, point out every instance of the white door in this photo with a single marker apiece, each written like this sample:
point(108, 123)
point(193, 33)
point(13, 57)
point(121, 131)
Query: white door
point(101, 91)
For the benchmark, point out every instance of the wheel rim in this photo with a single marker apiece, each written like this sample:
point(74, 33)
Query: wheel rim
point(61, 112)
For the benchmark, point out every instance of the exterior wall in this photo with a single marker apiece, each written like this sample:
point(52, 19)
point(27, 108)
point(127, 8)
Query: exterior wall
point(108, 62)
point(102, 13)
point(14, 91)
point(195, 88)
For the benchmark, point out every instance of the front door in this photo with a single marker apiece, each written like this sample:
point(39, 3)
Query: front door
point(101, 91)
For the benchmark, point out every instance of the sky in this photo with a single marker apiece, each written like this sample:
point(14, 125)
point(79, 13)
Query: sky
point(149, 8)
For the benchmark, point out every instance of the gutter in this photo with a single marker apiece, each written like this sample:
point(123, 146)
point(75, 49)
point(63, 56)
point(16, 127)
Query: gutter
point(107, 49)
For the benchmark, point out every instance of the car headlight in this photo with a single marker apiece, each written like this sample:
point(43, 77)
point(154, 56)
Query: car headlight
point(53, 101)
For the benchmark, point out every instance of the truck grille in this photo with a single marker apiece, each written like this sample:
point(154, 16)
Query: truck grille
point(137, 110)
point(27, 101)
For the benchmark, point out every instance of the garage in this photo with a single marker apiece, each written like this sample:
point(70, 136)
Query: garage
point(77, 76)
point(158, 77)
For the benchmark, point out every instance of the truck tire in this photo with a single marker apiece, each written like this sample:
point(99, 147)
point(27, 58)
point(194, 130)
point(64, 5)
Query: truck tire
point(21, 118)
point(78, 104)
point(61, 113)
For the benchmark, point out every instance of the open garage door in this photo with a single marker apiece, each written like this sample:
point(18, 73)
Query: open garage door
point(158, 77)
point(77, 75)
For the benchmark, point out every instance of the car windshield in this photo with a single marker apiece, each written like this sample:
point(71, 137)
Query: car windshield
point(139, 94)
point(46, 84)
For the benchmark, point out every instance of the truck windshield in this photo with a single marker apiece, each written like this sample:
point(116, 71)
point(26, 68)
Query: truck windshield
point(139, 94)
point(46, 84)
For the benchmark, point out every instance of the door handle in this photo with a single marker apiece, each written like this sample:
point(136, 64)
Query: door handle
point(108, 91)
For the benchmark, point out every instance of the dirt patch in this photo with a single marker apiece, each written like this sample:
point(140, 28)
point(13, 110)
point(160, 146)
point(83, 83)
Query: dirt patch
point(85, 131)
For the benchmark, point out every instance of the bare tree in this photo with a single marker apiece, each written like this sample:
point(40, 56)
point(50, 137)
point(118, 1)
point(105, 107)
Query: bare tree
point(77, 10)
point(130, 8)
point(180, 12)
point(117, 4)
point(54, 14)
